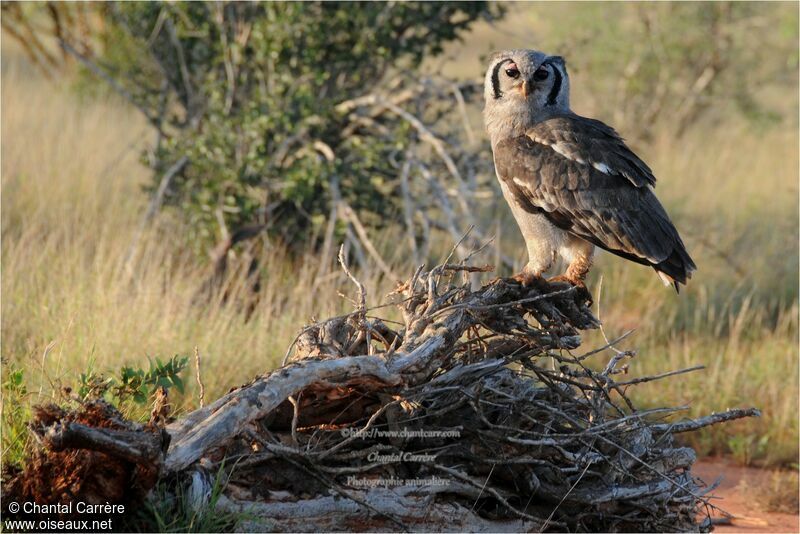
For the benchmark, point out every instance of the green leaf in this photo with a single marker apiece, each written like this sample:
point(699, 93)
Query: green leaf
point(178, 382)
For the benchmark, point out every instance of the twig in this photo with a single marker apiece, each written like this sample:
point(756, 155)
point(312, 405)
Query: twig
point(660, 376)
point(295, 416)
point(467, 268)
point(89, 64)
point(333, 216)
point(362, 292)
point(408, 210)
point(564, 498)
point(713, 419)
point(202, 395)
point(153, 207)
point(526, 300)
point(489, 490)
point(362, 235)
point(184, 70)
point(462, 108)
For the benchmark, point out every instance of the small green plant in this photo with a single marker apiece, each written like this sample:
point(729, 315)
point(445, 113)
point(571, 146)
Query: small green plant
point(16, 413)
point(93, 384)
point(129, 390)
point(134, 384)
point(169, 509)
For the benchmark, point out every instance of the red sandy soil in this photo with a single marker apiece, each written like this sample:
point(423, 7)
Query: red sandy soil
point(735, 498)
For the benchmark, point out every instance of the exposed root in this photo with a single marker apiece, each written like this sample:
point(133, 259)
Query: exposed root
point(92, 455)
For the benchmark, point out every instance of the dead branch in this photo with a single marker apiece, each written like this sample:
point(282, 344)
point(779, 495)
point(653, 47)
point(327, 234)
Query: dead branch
point(135, 447)
point(441, 394)
point(101, 73)
point(351, 216)
point(201, 395)
point(153, 207)
point(455, 421)
point(713, 419)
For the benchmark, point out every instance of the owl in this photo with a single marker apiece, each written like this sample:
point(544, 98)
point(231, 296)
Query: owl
point(571, 182)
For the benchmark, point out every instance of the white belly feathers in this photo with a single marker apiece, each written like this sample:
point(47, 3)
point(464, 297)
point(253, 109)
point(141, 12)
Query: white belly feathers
point(544, 240)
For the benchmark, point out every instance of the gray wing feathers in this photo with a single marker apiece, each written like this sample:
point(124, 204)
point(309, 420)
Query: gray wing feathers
point(595, 143)
point(555, 171)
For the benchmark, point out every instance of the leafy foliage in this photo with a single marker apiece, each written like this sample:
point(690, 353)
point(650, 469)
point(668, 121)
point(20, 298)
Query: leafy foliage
point(134, 384)
point(131, 388)
point(248, 92)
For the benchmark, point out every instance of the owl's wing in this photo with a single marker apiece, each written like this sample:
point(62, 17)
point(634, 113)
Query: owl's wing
point(580, 174)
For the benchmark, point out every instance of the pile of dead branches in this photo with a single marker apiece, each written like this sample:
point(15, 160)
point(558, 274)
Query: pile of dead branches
point(476, 412)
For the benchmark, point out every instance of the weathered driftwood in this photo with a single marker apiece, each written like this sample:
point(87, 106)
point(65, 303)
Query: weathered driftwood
point(435, 323)
point(473, 413)
point(133, 446)
point(521, 433)
point(416, 509)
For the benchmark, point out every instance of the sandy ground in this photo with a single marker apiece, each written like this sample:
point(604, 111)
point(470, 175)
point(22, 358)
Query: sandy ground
point(735, 498)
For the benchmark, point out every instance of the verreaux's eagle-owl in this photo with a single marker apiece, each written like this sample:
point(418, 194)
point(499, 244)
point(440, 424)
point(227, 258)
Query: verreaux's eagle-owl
point(571, 182)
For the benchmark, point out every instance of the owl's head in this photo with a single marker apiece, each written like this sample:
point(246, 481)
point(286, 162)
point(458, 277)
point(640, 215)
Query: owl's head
point(521, 88)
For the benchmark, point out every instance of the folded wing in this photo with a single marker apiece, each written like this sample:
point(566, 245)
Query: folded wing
point(583, 177)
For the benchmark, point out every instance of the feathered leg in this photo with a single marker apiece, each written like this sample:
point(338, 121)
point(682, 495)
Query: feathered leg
point(540, 259)
point(576, 274)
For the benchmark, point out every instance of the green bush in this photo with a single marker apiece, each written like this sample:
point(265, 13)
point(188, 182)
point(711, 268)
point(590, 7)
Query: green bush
point(248, 93)
point(129, 390)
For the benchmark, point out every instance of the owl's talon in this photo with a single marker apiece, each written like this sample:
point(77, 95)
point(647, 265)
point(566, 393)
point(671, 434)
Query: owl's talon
point(523, 278)
point(527, 279)
point(562, 279)
point(582, 294)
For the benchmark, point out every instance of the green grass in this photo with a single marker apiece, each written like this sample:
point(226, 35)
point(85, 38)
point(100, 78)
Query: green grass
point(72, 202)
point(169, 509)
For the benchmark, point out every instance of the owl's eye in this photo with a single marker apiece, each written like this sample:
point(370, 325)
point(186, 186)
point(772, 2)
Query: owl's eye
point(541, 74)
point(512, 71)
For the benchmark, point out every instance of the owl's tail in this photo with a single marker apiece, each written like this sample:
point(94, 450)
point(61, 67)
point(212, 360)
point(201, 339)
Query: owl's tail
point(677, 268)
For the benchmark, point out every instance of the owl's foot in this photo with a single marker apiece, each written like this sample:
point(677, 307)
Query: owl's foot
point(528, 279)
point(581, 294)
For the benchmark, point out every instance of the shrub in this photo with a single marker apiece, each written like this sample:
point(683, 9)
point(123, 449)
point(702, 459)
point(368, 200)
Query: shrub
point(249, 94)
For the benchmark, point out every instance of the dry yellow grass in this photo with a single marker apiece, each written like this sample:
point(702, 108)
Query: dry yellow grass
point(778, 491)
point(72, 201)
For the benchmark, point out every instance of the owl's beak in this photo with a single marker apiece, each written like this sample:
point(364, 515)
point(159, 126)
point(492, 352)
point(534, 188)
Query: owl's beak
point(525, 89)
